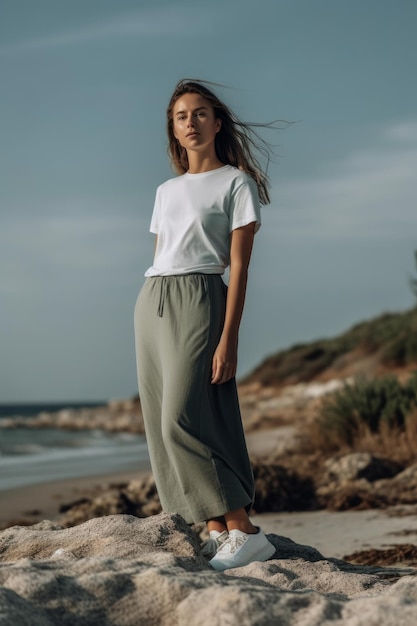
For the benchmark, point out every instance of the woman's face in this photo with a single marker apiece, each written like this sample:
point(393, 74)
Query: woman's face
point(194, 123)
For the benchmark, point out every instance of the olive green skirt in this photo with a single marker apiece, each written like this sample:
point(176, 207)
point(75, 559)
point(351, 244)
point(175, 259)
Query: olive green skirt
point(193, 428)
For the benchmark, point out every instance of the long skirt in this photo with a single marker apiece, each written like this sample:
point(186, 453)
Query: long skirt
point(193, 428)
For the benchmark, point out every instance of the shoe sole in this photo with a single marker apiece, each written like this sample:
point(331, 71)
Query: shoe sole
point(265, 554)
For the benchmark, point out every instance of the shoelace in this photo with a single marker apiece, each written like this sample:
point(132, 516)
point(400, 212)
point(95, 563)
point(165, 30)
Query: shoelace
point(210, 546)
point(232, 543)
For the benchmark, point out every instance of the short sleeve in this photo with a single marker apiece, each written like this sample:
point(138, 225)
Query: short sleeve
point(154, 227)
point(245, 205)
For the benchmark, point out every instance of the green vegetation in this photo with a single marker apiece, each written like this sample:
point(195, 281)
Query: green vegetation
point(392, 337)
point(368, 406)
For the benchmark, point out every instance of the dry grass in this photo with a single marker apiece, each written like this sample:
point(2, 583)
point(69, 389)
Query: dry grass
point(391, 442)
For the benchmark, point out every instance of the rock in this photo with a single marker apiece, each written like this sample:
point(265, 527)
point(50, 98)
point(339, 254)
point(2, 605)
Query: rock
point(116, 416)
point(279, 489)
point(124, 571)
point(144, 495)
point(139, 498)
point(123, 536)
point(20, 612)
point(354, 495)
point(268, 407)
point(354, 481)
point(405, 553)
point(402, 489)
point(358, 465)
point(364, 494)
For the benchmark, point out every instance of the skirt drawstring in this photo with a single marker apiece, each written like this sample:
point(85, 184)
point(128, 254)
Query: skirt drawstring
point(162, 296)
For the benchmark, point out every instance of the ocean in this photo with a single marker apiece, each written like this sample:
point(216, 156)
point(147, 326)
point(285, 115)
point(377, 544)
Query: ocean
point(36, 455)
point(27, 409)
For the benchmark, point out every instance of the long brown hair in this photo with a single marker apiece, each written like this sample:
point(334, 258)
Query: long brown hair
point(235, 143)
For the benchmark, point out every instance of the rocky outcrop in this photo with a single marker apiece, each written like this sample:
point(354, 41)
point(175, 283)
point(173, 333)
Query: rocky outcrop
point(269, 407)
point(358, 465)
point(401, 553)
point(138, 497)
point(277, 489)
point(115, 416)
point(280, 489)
point(360, 481)
point(348, 482)
point(123, 571)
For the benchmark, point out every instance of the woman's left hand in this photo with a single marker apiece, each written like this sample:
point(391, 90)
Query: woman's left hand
point(224, 362)
point(225, 357)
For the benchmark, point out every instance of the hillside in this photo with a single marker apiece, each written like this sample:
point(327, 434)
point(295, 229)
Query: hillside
point(386, 343)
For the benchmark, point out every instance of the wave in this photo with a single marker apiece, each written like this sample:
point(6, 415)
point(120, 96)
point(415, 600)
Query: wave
point(64, 464)
point(20, 441)
point(64, 454)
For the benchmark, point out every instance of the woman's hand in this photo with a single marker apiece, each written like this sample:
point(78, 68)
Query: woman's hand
point(224, 362)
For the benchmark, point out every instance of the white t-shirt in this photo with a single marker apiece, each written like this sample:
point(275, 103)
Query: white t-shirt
point(194, 215)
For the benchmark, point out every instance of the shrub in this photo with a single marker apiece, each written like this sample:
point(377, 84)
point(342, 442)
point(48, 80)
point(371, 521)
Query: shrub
point(367, 405)
point(411, 386)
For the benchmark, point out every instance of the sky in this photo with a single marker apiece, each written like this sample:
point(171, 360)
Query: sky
point(84, 88)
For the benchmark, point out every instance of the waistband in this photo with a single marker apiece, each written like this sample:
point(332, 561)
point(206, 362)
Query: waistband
point(165, 280)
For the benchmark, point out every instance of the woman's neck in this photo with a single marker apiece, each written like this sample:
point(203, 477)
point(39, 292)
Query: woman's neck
point(198, 163)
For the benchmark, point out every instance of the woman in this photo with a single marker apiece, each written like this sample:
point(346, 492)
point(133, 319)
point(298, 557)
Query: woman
point(186, 328)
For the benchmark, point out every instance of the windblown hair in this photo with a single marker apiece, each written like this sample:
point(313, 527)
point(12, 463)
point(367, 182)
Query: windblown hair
point(235, 143)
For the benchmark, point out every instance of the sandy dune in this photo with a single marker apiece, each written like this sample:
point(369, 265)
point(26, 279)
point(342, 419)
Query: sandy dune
point(124, 571)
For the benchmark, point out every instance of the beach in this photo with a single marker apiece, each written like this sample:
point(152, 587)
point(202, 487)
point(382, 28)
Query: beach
point(335, 534)
point(83, 532)
point(40, 496)
point(33, 503)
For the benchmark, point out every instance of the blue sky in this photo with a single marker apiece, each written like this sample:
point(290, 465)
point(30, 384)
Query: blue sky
point(84, 87)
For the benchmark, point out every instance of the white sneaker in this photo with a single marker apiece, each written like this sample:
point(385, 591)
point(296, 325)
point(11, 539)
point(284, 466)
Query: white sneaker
point(210, 547)
point(240, 549)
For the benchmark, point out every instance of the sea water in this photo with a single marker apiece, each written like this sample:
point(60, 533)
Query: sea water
point(36, 455)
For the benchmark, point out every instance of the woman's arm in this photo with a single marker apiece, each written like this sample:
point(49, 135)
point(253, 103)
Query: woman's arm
point(225, 356)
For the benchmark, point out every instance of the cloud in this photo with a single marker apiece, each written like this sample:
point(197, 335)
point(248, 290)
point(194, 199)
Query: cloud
point(403, 132)
point(371, 193)
point(173, 20)
point(59, 248)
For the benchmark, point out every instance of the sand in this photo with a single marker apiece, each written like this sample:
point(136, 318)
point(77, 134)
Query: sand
point(338, 534)
point(123, 571)
point(334, 534)
point(119, 570)
point(21, 503)
point(42, 501)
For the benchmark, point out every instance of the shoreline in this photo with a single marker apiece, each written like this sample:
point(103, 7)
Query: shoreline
point(337, 534)
point(20, 503)
point(334, 534)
